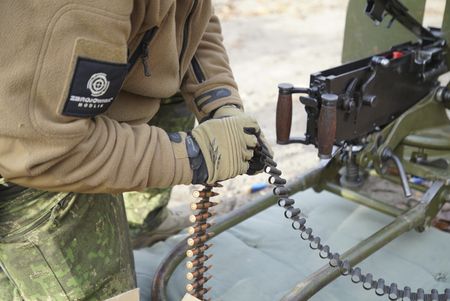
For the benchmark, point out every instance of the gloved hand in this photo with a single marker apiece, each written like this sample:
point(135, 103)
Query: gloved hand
point(227, 146)
point(228, 111)
point(262, 151)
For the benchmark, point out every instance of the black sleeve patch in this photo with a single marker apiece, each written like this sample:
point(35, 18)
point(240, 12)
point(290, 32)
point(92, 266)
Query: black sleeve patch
point(94, 86)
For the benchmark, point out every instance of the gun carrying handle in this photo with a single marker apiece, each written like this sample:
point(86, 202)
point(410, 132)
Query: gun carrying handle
point(326, 133)
point(284, 113)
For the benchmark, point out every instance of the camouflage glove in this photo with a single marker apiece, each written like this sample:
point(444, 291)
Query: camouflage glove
point(227, 146)
point(263, 150)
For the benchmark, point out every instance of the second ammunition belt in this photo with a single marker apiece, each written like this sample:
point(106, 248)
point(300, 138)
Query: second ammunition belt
point(357, 276)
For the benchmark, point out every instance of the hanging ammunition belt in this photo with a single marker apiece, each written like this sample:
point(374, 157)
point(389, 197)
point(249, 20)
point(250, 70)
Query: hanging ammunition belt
point(357, 276)
point(196, 243)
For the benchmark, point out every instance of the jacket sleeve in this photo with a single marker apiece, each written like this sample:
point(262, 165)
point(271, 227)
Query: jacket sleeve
point(209, 82)
point(44, 148)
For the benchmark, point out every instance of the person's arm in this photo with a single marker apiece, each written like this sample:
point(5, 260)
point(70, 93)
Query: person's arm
point(209, 82)
point(59, 70)
point(210, 88)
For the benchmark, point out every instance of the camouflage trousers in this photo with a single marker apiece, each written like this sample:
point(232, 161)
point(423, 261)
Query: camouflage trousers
point(146, 210)
point(63, 246)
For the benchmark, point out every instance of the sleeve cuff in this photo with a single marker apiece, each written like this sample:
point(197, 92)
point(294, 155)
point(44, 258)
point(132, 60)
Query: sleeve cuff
point(209, 100)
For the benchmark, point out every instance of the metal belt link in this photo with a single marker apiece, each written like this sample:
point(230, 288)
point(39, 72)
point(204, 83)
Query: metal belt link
point(197, 243)
point(357, 276)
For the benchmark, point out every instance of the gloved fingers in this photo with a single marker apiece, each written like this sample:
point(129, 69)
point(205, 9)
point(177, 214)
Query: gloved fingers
point(265, 148)
point(247, 155)
point(257, 163)
point(250, 123)
point(262, 141)
point(250, 131)
point(250, 141)
point(227, 111)
point(251, 127)
point(244, 167)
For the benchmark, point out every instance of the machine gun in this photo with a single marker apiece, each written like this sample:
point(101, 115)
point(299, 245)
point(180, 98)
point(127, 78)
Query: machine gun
point(346, 103)
point(384, 108)
point(388, 107)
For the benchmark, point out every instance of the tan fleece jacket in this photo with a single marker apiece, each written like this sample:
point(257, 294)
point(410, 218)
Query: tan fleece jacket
point(74, 107)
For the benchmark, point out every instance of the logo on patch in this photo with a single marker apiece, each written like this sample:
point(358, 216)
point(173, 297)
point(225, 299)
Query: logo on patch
point(98, 84)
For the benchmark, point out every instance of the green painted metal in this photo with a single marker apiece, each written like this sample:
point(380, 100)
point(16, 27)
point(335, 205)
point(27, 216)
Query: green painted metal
point(424, 127)
point(446, 21)
point(425, 115)
point(396, 180)
point(435, 143)
point(361, 199)
point(435, 138)
point(363, 38)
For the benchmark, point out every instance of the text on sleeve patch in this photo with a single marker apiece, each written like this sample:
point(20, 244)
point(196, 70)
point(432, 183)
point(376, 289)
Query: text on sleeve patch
point(94, 86)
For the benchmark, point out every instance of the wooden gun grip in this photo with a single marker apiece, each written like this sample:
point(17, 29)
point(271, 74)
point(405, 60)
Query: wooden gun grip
point(326, 133)
point(284, 113)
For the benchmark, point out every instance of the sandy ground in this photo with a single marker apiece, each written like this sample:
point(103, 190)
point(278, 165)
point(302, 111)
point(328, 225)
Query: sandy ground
point(270, 42)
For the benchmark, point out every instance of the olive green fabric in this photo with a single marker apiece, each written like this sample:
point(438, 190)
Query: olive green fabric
point(147, 209)
point(174, 115)
point(7, 290)
point(225, 146)
point(63, 246)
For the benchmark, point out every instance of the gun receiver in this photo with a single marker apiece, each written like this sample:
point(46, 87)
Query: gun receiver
point(377, 9)
point(369, 93)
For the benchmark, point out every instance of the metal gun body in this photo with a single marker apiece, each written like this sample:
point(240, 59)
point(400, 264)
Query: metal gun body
point(375, 90)
point(371, 92)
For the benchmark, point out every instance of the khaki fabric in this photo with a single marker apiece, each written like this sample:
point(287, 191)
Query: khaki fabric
point(63, 246)
point(146, 209)
point(115, 151)
point(225, 146)
point(227, 111)
point(173, 116)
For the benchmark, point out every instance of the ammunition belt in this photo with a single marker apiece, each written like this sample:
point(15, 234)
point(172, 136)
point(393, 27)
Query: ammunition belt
point(357, 276)
point(197, 243)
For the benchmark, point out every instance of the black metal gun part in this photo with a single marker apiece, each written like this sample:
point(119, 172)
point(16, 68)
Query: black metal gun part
point(370, 92)
point(378, 9)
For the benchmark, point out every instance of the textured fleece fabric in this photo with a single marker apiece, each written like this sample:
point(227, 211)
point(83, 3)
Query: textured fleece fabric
point(114, 151)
